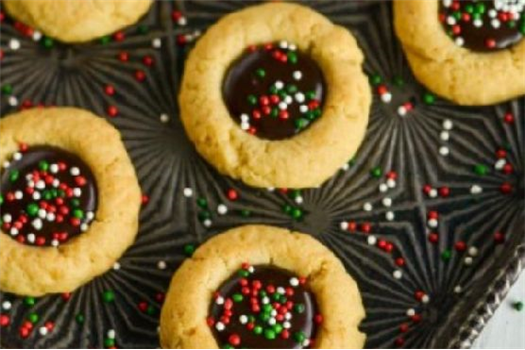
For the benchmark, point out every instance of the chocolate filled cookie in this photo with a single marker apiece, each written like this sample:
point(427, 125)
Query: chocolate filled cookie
point(77, 21)
point(470, 51)
point(275, 95)
point(261, 287)
point(69, 200)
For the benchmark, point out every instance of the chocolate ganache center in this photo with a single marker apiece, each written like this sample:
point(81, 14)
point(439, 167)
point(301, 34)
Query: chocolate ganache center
point(483, 25)
point(264, 307)
point(48, 196)
point(274, 91)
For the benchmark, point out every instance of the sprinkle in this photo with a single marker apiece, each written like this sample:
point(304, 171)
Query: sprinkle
point(14, 44)
point(161, 265)
point(372, 240)
point(188, 192)
point(398, 274)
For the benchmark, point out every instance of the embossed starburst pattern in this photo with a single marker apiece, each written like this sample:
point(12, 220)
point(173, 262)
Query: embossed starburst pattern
point(426, 216)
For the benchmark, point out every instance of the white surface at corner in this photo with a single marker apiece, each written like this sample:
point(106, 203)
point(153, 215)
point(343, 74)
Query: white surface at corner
point(506, 329)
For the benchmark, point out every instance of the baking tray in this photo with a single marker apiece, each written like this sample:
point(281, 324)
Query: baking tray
point(428, 175)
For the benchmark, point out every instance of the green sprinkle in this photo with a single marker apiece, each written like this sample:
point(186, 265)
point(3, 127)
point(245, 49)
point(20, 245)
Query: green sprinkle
point(80, 318)
point(301, 123)
point(295, 193)
point(237, 297)
point(108, 342)
point(310, 95)
point(202, 202)
point(479, 8)
point(61, 193)
point(287, 208)
point(267, 307)
point(469, 8)
point(108, 296)
point(269, 334)
point(48, 195)
point(398, 81)
point(480, 169)
point(32, 209)
point(274, 113)
point(446, 255)
point(252, 99)
point(310, 115)
point(299, 308)
point(375, 79)
point(352, 161)
point(292, 89)
point(511, 24)
point(13, 175)
point(257, 330)
point(297, 213)
point(227, 346)
point(518, 306)
point(299, 337)
point(151, 310)
point(261, 73)
point(29, 301)
point(1, 199)
point(48, 43)
point(33, 318)
point(292, 57)
point(79, 214)
point(317, 112)
point(188, 249)
point(7, 89)
point(376, 172)
point(457, 15)
point(245, 213)
point(273, 90)
point(429, 98)
point(282, 94)
point(43, 165)
point(105, 40)
point(143, 29)
point(54, 192)
point(263, 294)
point(277, 328)
point(265, 316)
point(204, 215)
point(243, 273)
point(476, 15)
point(75, 202)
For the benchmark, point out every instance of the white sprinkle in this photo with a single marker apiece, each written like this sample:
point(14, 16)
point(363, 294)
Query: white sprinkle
point(386, 97)
point(447, 124)
point(425, 299)
point(477, 23)
point(283, 44)
point(292, 47)
point(17, 156)
point(297, 75)
point(387, 201)
point(457, 289)
point(495, 23)
point(13, 231)
point(156, 43)
point(345, 167)
point(343, 225)
point(42, 213)
point(294, 281)
point(7, 218)
point(287, 325)
point(116, 266)
point(53, 168)
point(303, 108)
point(37, 224)
point(164, 118)
point(84, 227)
point(299, 200)
point(265, 300)
point(451, 20)
point(50, 217)
point(74, 171)
point(6, 305)
point(397, 274)
point(391, 183)
point(43, 331)
point(220, 326)
point(219, 300)
point(299, 97)
point(444, 151)
point(473, 251)
point(500, 164)
point(90, 215)
point(447, 3)
point(433, 193)
point(245, 126)
point(40, 184)
point(433, 223)
point(288, 316)
point(111, 334)
point(13, 101)
point(273, 313)
point(182, 21)
point(401, 111)
point(492, 13)
point(368, 206)
point(476, 189)
point(468, 261)
point(222, 209)
point(19, 195)
point(161, 265)
point(36, 195)
point(207, 223)
point(188, 192)
point(251, 269)
point(288, 100)
point(445, 136)
point(411, 312)
point(372, 240)
point(37, 35)
point(390, 215)
point(279, 84)
point(245, 118)
point(55, 243)
point(283, 106)
point(14, 44)
point(243, 319)
point(383, 188)
point(272, 321)
point(281, 290)
point(77, 192)
point(306, 343)
point(459, 41)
